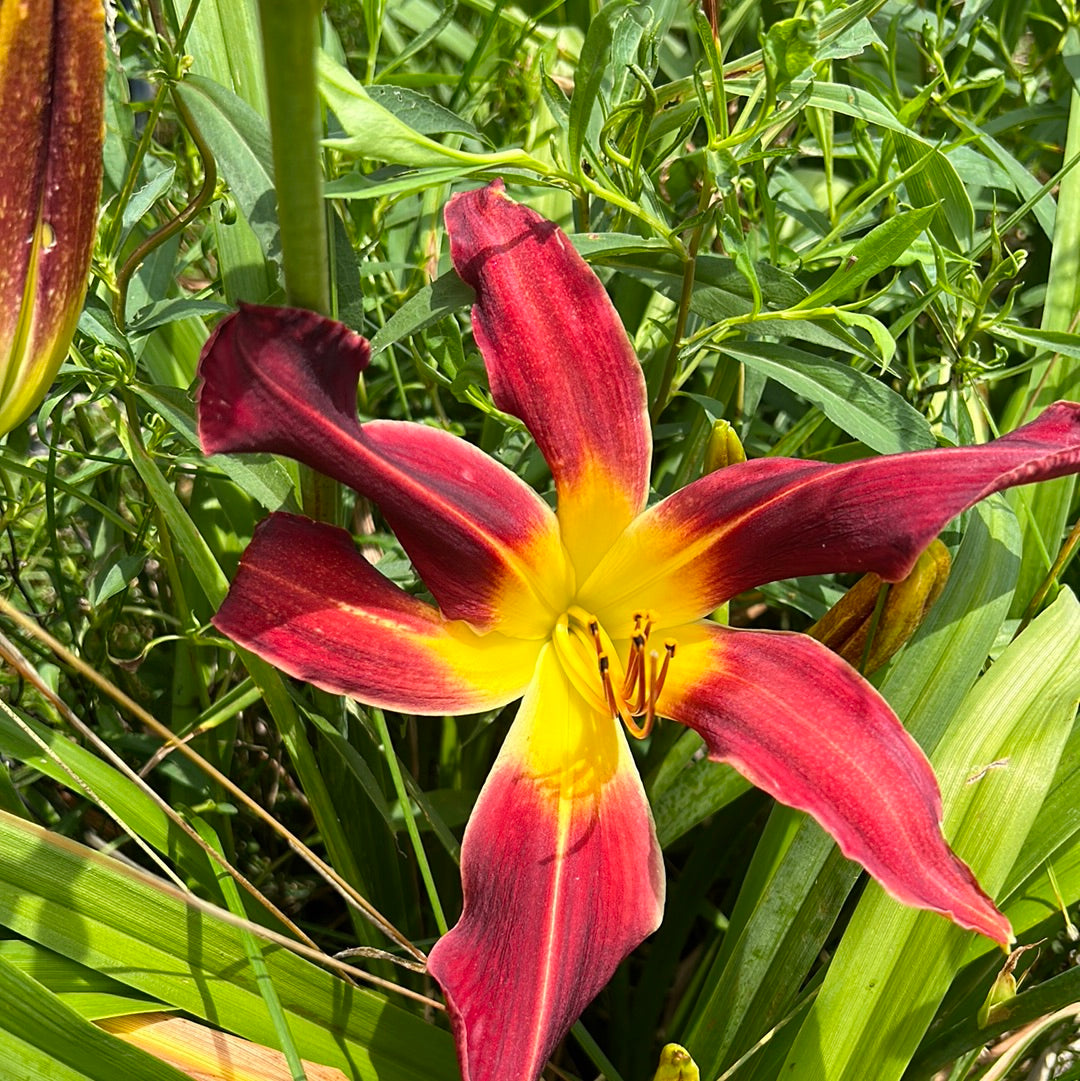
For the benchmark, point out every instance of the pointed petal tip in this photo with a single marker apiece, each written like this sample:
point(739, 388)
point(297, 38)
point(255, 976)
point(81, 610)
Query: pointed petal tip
point(539, 310)
point(968, 906)
point(845, 759)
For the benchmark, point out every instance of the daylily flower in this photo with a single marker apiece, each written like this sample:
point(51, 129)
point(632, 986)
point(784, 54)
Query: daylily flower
point(52, 86)
point(593, 613)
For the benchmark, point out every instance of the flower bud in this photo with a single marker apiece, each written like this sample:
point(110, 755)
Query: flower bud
point(676, 1063)
point(844, 627)
point(52, 80)
point(723, 447)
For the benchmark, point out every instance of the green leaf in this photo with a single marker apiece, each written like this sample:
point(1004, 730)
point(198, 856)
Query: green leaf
point(928, 681)
point(885, 342)
point(373, 132)
point(122, 924)
point(862, 406)
point(144, 198)
point(880, 249)
point(398, 182)
point(172, 310)
point(42, 1039)
point(239, 139)
point(445, 295)
point(1062, 342)
point(687, 788)
point(261, 476)
point(789, 49)
point(193, 548)
point(114, 577)
point(419, 112)
point(592, 69)
point(53, 754)
point(937, 184)
point(894, 964)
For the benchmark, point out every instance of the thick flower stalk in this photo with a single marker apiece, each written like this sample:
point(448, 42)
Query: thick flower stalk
point(594, 614)
point(52, 79)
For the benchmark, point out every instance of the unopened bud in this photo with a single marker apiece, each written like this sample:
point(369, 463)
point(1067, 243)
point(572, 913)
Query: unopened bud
point(676, 1065)
point(723, 448)
point(52, 80)
point(846, 626)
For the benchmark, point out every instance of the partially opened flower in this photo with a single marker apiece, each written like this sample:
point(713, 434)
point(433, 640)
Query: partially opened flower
point(594, 614)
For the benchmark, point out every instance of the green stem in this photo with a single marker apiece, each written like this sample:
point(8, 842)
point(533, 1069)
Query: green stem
point(289, 48)
point(112, 234)
point(176, 224)
point(689, 270)
point(410, 821)
point(290, 42)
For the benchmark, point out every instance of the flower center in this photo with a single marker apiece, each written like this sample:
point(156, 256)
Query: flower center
point(625, 691)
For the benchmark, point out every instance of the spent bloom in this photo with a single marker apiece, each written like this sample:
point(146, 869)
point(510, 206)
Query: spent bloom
point(593, 614)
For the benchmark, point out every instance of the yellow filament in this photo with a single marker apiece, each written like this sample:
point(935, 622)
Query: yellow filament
point(642, 680)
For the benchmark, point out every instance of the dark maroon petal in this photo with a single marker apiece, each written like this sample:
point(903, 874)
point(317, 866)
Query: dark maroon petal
point(284, 380)
point(306, 601)
point(803, 725)
point(775, 518)
point(557, 356)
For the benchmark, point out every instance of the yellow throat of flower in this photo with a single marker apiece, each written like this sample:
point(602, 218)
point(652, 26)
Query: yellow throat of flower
point(592, 664)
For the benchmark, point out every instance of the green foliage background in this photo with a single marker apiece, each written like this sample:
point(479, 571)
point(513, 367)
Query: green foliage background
point(844, 228)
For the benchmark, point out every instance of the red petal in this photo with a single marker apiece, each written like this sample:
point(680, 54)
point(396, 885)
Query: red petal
point(284, 380)
point(774, 518)
point(557, 356)
point(308, 602)
point(562, 877)
point(807, 728)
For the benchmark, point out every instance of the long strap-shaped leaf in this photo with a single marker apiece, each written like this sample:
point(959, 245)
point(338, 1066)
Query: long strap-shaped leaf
point(995, 764)
point(120, 923)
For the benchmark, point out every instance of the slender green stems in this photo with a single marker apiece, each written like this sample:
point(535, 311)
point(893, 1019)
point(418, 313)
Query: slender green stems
point(410, 822)
point(290, 40)
point(289, 46)
point(663, 393)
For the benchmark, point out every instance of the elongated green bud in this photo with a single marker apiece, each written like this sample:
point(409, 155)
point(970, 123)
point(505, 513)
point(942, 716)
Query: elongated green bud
point(845, 627)
point(52, 79)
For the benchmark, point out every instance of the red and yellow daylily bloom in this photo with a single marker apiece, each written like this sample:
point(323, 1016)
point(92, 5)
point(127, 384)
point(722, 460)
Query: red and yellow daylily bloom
point(594, 614)
point(52, 105)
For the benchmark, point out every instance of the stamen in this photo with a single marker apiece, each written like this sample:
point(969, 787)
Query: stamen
point(642, 681)
point(633, 664)
point(656, 680)
point(618, 710)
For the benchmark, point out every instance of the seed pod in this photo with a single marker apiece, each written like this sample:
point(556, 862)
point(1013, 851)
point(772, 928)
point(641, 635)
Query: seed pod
point(52, 79)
